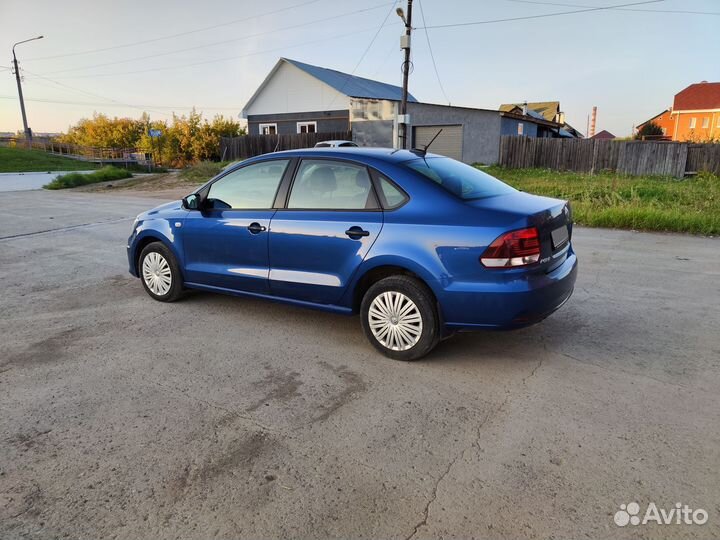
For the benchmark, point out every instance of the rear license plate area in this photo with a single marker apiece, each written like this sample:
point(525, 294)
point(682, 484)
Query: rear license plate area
point(560, 237)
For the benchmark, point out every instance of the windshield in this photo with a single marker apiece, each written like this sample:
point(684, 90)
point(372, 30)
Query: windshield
point(459, 179)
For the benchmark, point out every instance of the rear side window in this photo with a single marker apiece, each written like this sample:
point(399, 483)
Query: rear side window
point(253, 186)
point(391, 194)
point(332, 185)
point(459, 179)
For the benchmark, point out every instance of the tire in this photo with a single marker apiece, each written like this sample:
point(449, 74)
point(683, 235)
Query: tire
point(156, 265)
point(415, 332)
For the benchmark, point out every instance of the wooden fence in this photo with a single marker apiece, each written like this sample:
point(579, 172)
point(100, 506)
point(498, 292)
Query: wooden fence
point(626, 157)
point(234, 148)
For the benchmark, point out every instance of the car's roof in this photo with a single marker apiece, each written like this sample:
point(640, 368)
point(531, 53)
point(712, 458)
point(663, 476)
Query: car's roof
point(335, 141)
point(349, 152)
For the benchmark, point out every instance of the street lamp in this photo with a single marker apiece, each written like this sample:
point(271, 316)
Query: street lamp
point(28, 133)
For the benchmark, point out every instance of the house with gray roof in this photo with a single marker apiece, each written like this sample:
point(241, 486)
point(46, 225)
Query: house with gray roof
point(297, 97)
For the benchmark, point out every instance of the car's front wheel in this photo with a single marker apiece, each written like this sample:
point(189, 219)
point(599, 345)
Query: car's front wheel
point(399, 318)
point(159, 273)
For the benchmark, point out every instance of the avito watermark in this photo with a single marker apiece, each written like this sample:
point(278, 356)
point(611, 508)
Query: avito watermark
point(680, 514)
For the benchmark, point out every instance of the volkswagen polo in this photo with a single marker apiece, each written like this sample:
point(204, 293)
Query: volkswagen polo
point(420, 245)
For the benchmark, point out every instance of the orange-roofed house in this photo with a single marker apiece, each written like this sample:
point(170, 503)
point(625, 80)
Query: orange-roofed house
point(696, 113)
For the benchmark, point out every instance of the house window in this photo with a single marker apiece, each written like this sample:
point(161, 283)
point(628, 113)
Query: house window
point(268, 129)
point(706, 123)
point(520, 128)
point(307, 127)
point(664, 130)
point(693, 123)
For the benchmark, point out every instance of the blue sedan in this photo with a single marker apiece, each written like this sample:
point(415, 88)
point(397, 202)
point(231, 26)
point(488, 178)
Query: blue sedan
point(420, 245)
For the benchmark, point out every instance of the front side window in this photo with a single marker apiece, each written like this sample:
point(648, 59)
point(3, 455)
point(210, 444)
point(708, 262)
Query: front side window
point(520, 128)
point(332, 185)
point(706, 123)
point(253, 186)
point(693, 122)
point(459, 179)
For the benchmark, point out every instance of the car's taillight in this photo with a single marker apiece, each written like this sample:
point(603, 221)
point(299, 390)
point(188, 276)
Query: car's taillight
point(516, 248)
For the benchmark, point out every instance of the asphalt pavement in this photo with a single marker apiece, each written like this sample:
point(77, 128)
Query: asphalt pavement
point(225, 417)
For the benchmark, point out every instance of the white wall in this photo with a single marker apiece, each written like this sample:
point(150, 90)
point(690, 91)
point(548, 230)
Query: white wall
point(292, 90)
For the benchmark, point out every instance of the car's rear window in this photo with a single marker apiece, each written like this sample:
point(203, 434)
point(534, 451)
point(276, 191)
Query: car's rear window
point(459, 179)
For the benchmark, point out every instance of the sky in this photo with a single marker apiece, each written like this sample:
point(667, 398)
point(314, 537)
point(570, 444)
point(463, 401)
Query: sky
point(161, 56)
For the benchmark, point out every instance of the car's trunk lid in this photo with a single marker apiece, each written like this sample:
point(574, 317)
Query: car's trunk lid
point(551, 217)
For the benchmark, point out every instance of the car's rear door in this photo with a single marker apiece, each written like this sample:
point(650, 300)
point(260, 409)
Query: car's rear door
point(319, 239)
point(226, 243)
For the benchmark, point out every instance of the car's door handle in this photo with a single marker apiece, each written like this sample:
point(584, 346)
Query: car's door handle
point(255, 228)
point(356, 231)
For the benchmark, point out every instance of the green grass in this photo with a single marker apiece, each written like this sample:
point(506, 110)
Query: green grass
point(75, 179)
point(23, 160)
point(204, 170)
point(611, 200)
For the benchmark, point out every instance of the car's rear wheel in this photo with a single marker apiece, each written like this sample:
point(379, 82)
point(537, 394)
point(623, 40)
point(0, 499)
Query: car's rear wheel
point(159, 273)
point(399, 318)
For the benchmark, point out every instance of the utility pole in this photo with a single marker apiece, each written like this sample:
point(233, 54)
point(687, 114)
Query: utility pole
point(403, 119)
point(26, 129)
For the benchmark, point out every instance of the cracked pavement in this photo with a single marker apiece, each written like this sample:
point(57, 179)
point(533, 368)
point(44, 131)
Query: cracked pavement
point(226, 417)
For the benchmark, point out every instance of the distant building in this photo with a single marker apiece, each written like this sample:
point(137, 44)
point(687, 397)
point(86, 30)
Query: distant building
point(665, 121)
point(696, 112)
point(547, 110)
point(297, 97)
point(604, 134)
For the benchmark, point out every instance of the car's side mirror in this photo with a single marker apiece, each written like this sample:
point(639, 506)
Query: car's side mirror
point(191, 202)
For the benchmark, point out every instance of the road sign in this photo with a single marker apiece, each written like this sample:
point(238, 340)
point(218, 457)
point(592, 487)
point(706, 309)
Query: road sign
point(155, 133)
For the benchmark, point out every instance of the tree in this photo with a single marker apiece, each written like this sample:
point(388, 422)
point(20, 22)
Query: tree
point(183, 140)
point(651, 129)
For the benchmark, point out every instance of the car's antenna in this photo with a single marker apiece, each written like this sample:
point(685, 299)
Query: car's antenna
point(423, 151)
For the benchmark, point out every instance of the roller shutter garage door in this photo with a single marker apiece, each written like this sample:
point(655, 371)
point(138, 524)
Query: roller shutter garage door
point(448, 143)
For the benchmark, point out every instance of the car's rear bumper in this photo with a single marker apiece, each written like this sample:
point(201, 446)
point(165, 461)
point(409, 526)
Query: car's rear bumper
point(509, 304)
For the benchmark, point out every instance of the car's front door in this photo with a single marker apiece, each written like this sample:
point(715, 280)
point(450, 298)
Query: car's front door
point(226, 242)
point(318, 241)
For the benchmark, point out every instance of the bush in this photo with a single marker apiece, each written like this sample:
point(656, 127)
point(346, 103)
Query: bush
point(75, 179)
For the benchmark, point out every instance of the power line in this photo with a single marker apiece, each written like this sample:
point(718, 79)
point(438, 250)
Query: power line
point(224, 59)
point(432, 56)
point(362, 56)
point(682, 11)
point(542, 16)
point(171, 36)
point(177, 51)
point(92, 94)
point(105, 104)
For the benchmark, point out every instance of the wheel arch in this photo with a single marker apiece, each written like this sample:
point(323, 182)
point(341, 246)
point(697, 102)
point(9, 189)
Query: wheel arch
point(373, 273)
point(144, 240)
